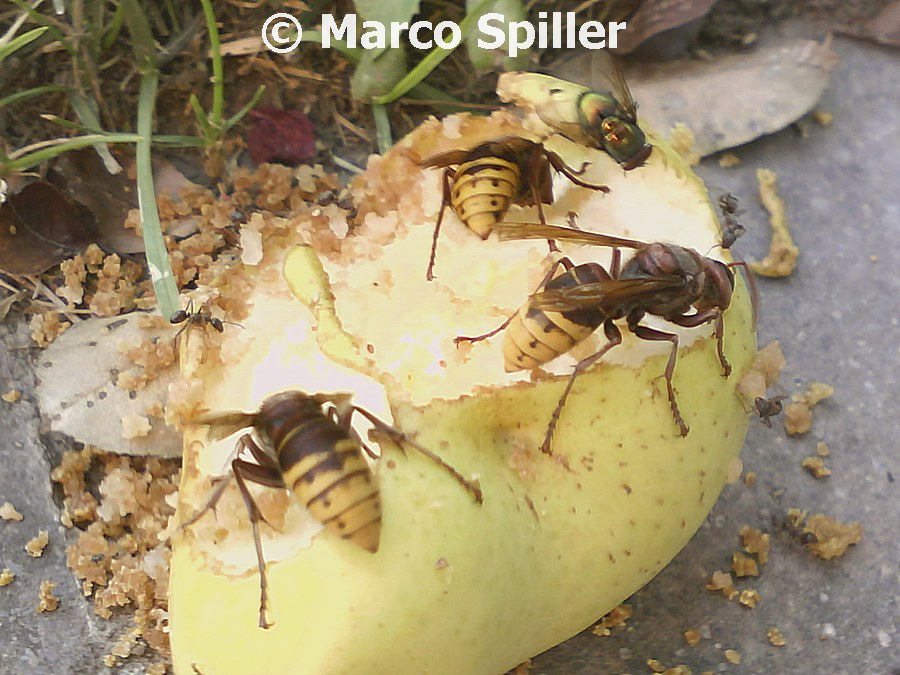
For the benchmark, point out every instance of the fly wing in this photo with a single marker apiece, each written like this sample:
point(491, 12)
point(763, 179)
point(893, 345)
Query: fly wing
point(603, 294)
point(508, 231)
point(222, 425)
point(606, 73)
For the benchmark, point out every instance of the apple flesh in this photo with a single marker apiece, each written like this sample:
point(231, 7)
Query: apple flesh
point(559, 540)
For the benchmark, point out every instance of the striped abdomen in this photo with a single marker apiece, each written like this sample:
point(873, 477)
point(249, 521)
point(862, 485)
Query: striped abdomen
point(324, 467)
point(483, 190)
point(535, 337)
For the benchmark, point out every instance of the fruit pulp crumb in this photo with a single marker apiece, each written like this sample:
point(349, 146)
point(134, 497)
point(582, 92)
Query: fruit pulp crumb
point(782, 257)
point(48, 602)
point(616, 618)
point(692, 637)
point(815, 466)
point(9, 512)
point(775, 637)
point(733, 656)
point(35, 547)
point(757, 542)
point(743, 566)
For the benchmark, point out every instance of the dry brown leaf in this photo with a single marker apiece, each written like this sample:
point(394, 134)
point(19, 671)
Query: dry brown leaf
point(110, 198)
point(656, 16)
point(39, 228)
point(883, 28)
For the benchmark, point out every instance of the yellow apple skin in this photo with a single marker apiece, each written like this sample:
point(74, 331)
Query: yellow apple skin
point(458, 587)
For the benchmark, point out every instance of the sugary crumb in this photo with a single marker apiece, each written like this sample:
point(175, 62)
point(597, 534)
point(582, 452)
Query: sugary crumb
point(11, 396)
point(728, 160)
point(48, 602)
point(733, 656)
point(692, 637)
point(750, 478)
point(770, 360)
point(764, 372)
point(118, 556)
point(135, 426)
point(824, 536)
point(655, 666)
point(756, 541)
point(798, 415)
point(148, 357)
point(46, 327)
point(749, 598)
point(815, 466)
point(782, 257)
point(616, 618)
point(823, 117)
point(127, 644)
point(9, 512)
point(79, 505)
point(742, 566)
point(822, 450)
point(6, 577)
point(35, 547)
point(833, 537)
point(722, 581)
point(815, 392)
point(797, 419)
point(775, 637)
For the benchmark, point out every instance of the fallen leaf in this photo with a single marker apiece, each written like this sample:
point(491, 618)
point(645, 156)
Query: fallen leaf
point(109, 197)
point(39, 228)
point(78, 394)
point(730, 101)
point(656, 16)
point(883, 28)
